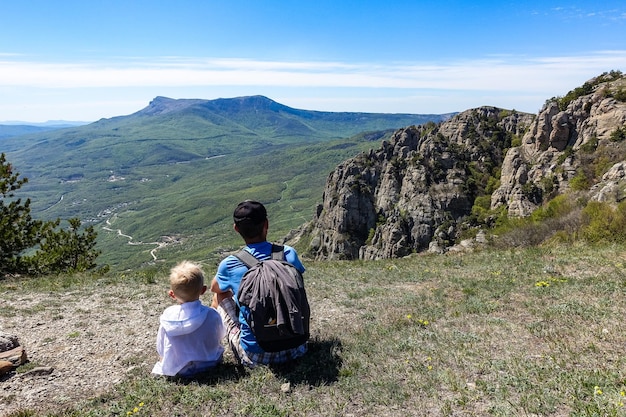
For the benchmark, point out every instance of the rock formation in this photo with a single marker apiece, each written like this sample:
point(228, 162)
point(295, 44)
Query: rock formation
point(561, 145)
point(417, 191)
point(12, 354)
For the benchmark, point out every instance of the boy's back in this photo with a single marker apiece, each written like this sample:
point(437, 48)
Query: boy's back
point(188, 340)
point(189, 334)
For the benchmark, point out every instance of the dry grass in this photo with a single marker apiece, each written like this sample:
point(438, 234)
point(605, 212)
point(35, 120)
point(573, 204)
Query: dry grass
point(511, 332)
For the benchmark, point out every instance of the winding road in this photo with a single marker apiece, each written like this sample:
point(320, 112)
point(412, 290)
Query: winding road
point(159, 245)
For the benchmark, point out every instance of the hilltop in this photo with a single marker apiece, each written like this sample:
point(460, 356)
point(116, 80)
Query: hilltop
point(521, 332)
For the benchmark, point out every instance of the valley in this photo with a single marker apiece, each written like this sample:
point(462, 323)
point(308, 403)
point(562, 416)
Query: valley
point(178, 167)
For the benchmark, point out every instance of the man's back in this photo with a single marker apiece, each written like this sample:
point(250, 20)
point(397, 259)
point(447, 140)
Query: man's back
point(251, 222)
point(229, 274)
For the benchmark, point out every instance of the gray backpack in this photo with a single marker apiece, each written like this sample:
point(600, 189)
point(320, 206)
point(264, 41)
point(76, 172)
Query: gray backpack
point(273, 291)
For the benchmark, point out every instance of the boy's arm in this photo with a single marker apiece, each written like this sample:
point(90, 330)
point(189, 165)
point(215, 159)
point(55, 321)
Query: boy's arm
point(159, 342)
point(219, 293)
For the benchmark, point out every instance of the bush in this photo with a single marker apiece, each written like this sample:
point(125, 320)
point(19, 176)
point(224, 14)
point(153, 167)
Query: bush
point(590, 146)
point(618, 135)
point(604, 223)
point(481, 208)
point(557, 207)
point(580, 181)
point(620, 95)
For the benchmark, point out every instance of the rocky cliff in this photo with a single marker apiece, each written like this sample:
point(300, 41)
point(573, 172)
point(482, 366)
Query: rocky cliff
point(416, 192)
point(576, 140)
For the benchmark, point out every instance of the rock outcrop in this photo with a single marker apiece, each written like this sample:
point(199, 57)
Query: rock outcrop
point(395, 200)
point(561, 145)
point(416, 192)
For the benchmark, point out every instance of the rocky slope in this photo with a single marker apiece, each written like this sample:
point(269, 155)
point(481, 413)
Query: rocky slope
point(416, 192)
point(563, 144)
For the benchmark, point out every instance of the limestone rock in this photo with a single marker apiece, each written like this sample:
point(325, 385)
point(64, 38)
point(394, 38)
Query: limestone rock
point(413, 190)
point(40, 371)
point(416, 191)
point(557, 146)
point(7, 341)
point(17, 356)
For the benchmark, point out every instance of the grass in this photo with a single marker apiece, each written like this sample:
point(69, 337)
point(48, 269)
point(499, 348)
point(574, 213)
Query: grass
point(524, 332)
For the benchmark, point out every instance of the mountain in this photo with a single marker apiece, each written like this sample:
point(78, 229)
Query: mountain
point(10, 128)
point(431, 185)
point(169, 174)
point(7, 131)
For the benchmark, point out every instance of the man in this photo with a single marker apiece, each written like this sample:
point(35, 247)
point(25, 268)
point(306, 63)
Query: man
point(250, 221)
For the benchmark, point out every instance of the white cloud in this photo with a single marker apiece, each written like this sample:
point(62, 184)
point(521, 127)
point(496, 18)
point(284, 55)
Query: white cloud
point(487, 74)
point(91, 90)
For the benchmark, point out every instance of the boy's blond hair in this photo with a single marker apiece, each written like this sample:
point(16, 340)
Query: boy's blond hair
point(187, 281)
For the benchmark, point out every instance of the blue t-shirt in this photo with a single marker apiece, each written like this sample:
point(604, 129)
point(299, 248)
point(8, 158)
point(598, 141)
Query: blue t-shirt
point(229, 274)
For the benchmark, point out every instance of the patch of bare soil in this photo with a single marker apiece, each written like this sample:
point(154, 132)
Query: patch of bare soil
point(79, 344)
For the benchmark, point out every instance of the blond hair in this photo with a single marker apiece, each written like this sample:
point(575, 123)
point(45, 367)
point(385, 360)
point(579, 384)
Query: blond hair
point(187, 281)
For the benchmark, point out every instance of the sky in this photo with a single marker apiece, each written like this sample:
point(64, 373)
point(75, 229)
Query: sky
point(87, 60)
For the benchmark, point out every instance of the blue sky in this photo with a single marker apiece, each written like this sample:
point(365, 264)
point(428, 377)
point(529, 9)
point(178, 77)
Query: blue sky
point(85, 60)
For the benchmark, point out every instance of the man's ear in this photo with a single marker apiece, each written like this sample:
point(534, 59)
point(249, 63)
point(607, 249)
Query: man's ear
point(235, 227)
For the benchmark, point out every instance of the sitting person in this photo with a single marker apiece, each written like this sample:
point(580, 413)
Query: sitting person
point(188, 340)
point(250, 218)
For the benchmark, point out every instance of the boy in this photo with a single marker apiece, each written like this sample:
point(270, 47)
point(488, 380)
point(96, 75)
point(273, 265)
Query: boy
point(188, 340)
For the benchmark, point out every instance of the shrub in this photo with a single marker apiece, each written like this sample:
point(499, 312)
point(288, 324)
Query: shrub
point(590, 146)
point(547, 183)
point(493, 184)
point(480, 209)
point(516, 141)
point(557, 207)
point(532, 193)
point(618, 135)
point(602, 222)
point(620, 95)
point(569, 151)
point(580, 181)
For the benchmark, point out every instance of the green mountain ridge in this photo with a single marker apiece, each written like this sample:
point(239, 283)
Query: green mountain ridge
point(172, 172)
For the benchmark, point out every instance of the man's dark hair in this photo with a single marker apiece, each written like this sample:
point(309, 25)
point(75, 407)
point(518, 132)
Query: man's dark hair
point(250, 217)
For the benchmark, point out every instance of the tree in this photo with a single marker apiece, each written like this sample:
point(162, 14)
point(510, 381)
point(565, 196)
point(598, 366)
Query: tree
point(29, 246)
point(67, 250)
point(18, 230)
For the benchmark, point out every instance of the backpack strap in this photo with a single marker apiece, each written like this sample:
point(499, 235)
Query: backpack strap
point(247, 258)
point(278, 253)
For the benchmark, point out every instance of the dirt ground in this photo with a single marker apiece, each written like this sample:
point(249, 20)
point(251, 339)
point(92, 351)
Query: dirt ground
point(87, 340)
